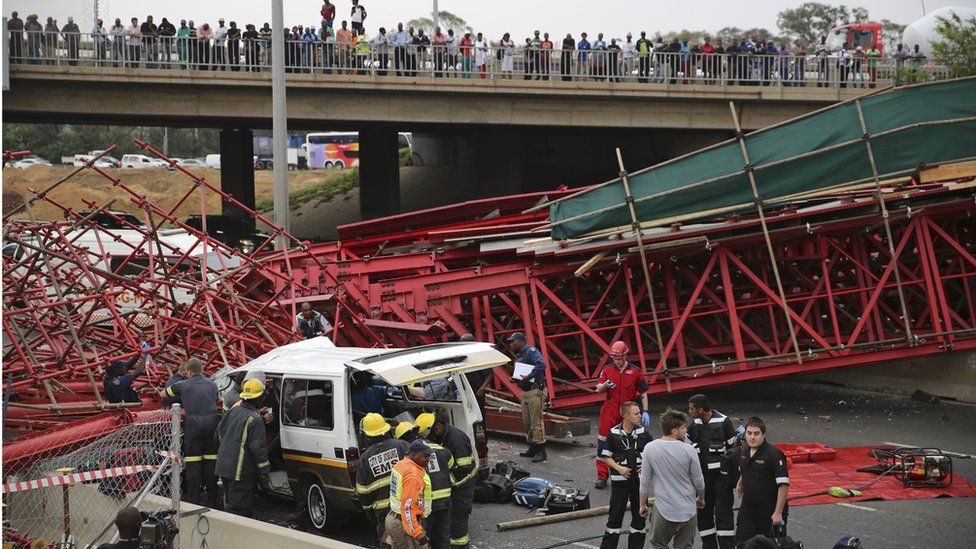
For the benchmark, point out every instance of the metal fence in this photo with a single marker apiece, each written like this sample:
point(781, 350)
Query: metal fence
point(383, 60)
point(71, 491)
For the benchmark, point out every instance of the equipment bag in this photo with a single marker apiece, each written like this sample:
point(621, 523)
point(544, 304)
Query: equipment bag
point(510, 469)
point(496, 489)
point(531, 491)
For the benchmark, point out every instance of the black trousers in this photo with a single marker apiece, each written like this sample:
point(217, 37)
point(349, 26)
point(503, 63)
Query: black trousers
point(754, 521)
point(645, 68)
point(200, 458)
point(218, 57)
point(400, 60)
point(461, 500)
point(384, 61)
point(715, 520)
point(134, 52)
point(234, 55)
point(239, 496)
point(620, 494)
point(439, 529)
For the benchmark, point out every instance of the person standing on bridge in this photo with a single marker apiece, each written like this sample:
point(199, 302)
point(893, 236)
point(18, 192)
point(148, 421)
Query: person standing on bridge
point(481, 55)
point(15, 27)
point(166, 33)
point(220, 38)
point(149, 32)
point(118, 42)
point(250, 37)
point(358, 18)
point(99, 42)
point(133, 35)
point(566, 58)
point(204, 35)
point(72, 38)
point(234, 46)
point(328, 15)
point(622, 382)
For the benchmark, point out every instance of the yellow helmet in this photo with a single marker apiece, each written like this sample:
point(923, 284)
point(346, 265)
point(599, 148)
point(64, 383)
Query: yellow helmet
point(253, 388)
point(403, 428)
point(424, 422)
point(374, 425)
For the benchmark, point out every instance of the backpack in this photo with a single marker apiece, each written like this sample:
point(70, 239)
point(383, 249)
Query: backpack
point(496, 489)
point(510, 469)
point(531, 491)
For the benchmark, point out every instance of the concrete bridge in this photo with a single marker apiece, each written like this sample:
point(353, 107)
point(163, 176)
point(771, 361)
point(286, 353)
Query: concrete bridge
point(514, 135)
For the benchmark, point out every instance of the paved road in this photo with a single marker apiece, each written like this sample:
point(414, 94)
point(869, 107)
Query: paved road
point(856, 418)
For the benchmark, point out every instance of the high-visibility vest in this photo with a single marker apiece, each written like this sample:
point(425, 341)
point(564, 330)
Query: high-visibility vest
point(402, 470)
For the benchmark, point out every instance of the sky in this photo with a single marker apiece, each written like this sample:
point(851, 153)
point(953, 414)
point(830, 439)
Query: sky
point(493, 17)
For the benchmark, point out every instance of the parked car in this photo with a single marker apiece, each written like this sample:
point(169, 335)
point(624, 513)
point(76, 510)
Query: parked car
point(310, 388)
point(193, 162)
point(213, 161)
point(235, 231)
point(103, 162)
point(25, 163)
point(114, 219)
point(138, 161)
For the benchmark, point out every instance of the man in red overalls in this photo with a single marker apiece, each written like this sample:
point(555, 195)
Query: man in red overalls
point(622, 381)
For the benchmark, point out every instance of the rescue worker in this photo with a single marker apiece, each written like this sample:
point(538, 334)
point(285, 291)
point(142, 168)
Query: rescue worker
point(623, 382)
point(179, 376)
point(714, 436)
point(373, 474)
point(118, 380)
point(764, 484)
point(533, 387)
point(311, 323)
point(198, 395)
point(410, 498)
point(622, 453)
point(439, 470)
point(242, 460)
point(463, 472)
point(234, 396)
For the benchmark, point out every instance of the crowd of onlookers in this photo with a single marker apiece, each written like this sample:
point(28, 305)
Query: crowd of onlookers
point(344, 46)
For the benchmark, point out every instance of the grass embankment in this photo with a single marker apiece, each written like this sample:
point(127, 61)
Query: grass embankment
point(323, 191)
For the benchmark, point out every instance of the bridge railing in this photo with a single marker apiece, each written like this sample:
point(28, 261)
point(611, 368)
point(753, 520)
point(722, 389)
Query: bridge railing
point(466, 62)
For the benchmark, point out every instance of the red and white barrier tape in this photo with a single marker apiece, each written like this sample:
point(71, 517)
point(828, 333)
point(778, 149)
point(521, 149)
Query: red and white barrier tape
point(74, 478)
point(86, 476)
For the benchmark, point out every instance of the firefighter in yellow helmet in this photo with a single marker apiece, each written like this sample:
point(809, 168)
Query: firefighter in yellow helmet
point(376, 463)
point(242, 459)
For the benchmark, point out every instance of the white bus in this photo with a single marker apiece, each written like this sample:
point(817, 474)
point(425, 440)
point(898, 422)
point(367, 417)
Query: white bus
point(339, 149)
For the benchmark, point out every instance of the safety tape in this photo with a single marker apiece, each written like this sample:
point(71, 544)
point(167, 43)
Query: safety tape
point(87, 476)
point(74, 478)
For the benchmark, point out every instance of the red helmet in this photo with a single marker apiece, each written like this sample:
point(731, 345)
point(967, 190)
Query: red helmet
point(619, 349)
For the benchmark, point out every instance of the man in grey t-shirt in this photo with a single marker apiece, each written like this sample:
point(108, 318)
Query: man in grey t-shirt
point(671, 473)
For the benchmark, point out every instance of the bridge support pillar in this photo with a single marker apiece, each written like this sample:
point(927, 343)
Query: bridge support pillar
point(379, 173)
point(237, 168)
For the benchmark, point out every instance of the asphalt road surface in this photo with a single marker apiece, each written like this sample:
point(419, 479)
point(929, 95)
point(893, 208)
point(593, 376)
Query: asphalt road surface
point(792, 413)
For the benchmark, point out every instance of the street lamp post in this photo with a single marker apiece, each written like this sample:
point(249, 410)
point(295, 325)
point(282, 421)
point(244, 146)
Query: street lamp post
point(279, 122)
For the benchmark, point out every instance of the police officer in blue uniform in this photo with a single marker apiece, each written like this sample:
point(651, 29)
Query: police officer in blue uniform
point(533, 386)
point(118, 379)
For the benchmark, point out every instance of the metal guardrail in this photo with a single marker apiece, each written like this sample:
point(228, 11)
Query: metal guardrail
point(482, 61)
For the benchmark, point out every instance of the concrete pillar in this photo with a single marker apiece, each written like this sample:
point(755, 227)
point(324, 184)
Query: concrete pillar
point(237, 168)
point(379, 173)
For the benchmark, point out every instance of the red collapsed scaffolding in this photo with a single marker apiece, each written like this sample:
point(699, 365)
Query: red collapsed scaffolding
point(484, 267)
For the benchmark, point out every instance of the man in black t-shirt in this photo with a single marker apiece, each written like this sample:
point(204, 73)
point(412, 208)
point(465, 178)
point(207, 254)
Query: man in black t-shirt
point(764, 484)
point(622, 454)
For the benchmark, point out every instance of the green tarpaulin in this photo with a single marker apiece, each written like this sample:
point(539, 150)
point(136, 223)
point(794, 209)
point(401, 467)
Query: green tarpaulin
point(818, 151)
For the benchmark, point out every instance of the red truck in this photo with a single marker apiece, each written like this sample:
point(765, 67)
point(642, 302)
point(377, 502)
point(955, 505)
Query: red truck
point(849, 37)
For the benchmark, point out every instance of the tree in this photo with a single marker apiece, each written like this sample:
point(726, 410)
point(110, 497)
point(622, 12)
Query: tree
point(957, 44)
point(52, 141)
point(811, 20)
point(891, 34)
point(445, 19)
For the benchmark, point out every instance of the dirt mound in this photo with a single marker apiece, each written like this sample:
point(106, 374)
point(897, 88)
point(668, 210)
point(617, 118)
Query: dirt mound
point(162, 187)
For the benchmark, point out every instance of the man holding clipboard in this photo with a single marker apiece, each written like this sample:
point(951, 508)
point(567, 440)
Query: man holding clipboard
point(530, 376)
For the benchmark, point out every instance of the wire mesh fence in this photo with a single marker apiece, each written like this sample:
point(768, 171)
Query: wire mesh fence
point(68, 496)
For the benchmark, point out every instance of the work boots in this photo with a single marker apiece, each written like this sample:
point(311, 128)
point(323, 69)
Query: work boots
point(531, 452)
point(540, 454)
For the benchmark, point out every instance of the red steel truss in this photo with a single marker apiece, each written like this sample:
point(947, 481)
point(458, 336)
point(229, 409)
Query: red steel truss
point(482, 267)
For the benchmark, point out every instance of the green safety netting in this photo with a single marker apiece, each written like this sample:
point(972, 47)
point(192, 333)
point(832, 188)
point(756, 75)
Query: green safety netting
point(930, 123)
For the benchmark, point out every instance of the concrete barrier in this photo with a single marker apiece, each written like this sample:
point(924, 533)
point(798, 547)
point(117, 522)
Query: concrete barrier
point(219, 529)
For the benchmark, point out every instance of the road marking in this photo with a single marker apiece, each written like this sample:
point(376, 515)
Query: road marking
point(861, 507)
